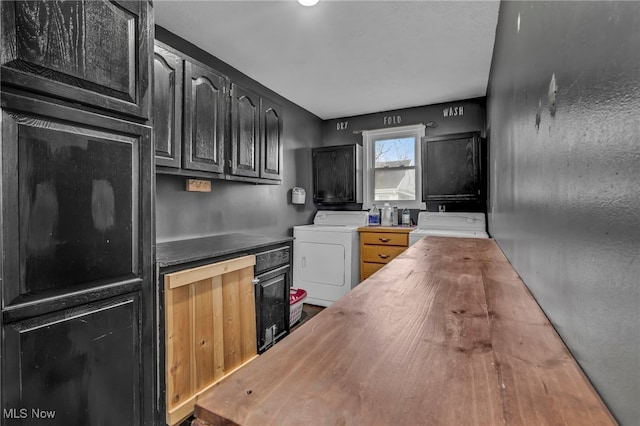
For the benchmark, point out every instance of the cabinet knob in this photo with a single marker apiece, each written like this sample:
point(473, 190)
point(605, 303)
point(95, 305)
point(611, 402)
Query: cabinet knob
point(383, 256)
point(384, 240)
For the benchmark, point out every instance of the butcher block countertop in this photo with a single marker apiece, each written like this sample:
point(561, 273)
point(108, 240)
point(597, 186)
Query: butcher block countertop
point(446, 334)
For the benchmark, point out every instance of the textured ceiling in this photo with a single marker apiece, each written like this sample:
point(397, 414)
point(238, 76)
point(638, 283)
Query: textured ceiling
point(345, 58)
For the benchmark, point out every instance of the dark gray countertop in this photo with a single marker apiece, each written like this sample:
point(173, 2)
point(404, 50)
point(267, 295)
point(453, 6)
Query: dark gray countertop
point(173, 253)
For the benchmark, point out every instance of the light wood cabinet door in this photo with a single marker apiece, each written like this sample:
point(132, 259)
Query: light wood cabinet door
point(210, 329)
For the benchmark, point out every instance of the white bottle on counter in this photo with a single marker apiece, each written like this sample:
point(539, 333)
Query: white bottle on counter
point(387, 215)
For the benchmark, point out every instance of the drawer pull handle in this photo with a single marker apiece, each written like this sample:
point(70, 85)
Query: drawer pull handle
point(383, 256)
point(384, 240)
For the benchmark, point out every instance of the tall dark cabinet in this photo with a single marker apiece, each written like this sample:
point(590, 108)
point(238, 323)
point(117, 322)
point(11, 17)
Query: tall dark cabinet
point(76, 271)
point(337, 174)
point(452, 170)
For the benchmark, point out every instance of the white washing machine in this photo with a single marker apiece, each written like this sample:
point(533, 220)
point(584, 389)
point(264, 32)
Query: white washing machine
point(326, 255)
point(471, 225)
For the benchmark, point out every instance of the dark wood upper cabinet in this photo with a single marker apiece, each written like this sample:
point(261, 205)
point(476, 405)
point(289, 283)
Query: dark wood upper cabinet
point(256, 136)
point(245, 132)
point(271, 130)
point(167, 107)
point(451, 168)
point(336, 178)
point(92, 52)
point(204, 119)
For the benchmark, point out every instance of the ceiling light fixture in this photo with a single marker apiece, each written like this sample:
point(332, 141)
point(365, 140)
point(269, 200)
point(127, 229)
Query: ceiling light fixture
point(308, 2)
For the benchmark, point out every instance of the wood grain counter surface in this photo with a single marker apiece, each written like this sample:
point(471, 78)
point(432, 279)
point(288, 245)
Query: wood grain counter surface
point(446, 334)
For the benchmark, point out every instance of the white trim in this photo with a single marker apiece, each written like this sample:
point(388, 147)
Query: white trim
point(368, 136)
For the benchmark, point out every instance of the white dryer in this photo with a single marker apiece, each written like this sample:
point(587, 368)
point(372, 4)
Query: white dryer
point(326, 255)
point(471, 225)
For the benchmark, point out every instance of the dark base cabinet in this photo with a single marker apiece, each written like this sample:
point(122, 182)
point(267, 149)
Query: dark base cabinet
point(272, 281)
point(271, 278)
point(79, 366)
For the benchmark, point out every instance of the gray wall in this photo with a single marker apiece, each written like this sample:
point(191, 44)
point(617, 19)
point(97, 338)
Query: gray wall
point(238, 206)
point(565, 177)
point(336, 132)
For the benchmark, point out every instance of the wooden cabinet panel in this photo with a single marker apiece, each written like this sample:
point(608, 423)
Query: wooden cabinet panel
point(451, 168)
point(210, 329)
point(380, 254)
point(336, 178)
point(204, 119)
point(92, 52)
point(271, 128)
point(167, 107)
point(245, 132)
point(74, 196)
point(369, 269)
point(379, 246)
point(385, 238)
point(82, 364)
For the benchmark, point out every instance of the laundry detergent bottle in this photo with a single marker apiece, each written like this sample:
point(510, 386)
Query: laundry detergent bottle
point(374, 216)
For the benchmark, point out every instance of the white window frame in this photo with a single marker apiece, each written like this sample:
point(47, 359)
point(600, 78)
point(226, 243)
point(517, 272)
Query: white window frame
point(368, 140)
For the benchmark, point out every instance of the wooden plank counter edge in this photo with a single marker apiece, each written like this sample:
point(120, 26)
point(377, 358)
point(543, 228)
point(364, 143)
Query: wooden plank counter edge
point(445, 334)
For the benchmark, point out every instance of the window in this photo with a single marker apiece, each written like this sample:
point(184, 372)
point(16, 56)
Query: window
point(392, 167)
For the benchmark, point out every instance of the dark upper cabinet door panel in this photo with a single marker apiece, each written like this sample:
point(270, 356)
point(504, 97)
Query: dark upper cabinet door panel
point(245, 132)
point(271, 128)
point(334, 174)
point(82, 364)
point(73, 195)
point(94, 52)
point(204, 119)
point(451, 167)
point(167, 107)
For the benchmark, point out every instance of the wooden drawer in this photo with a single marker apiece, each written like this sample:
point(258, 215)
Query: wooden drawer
point(367, 269)
point(272, 259)
point(380, 254)
point(384, 238)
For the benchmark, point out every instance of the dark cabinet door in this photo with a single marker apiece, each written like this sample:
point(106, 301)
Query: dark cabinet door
point(93, 52)
point(272, 306)
point(79, 366)
point(245, 132)
point(77, 263)
point(167, 107)
point(204, 119)
point(451, 167)
point(271, 130)
point(334, 174)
